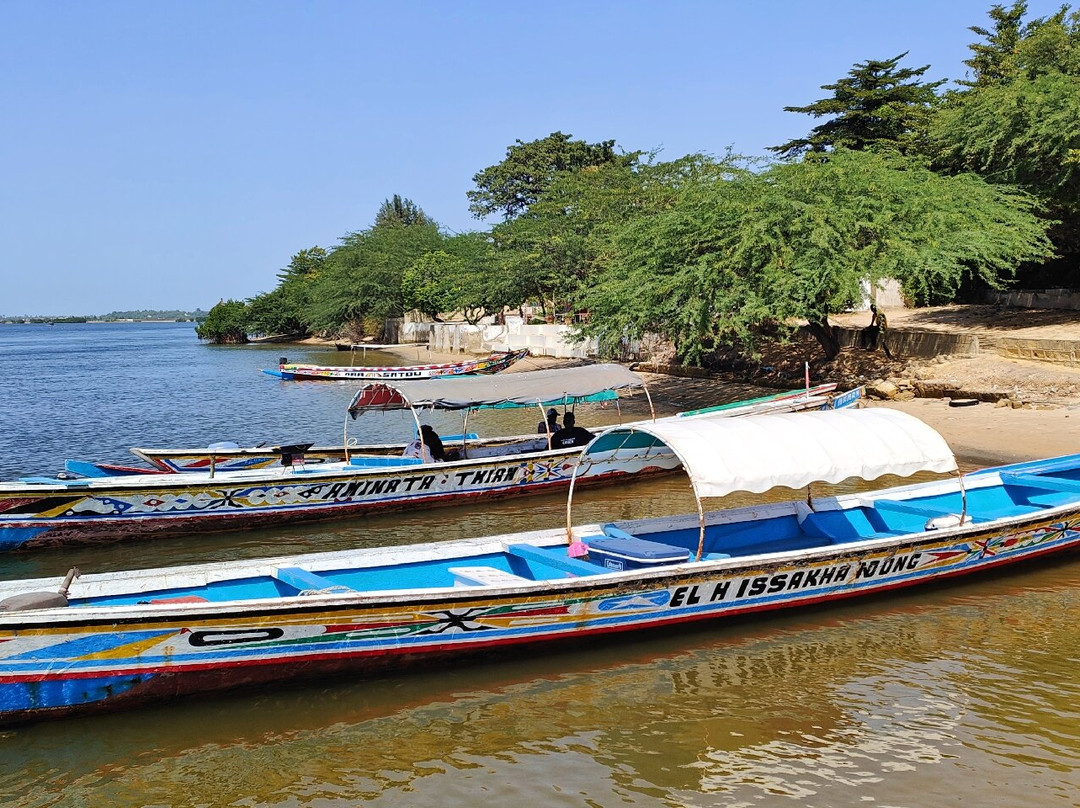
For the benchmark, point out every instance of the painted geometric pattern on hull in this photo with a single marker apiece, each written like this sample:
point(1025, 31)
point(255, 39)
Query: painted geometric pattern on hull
point(48, 657)
point(298, 493)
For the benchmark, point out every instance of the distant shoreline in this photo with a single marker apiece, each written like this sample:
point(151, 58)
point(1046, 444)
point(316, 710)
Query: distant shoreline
point(88, 321)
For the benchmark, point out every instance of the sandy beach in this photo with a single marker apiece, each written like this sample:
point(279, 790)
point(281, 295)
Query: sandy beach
point(993, 435)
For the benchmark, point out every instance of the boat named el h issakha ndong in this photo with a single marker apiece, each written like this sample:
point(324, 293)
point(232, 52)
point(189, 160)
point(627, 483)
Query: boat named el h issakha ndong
point(118, 640)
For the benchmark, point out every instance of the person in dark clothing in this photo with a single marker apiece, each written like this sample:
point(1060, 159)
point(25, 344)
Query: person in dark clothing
point(427, 446)
point(875, 333)
point(570, 434)
point(551, 424)
point(433, 442)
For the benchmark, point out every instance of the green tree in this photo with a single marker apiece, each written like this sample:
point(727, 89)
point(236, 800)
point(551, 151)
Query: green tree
point(1019, 121)
point(551, 252)
point(993, 60)
point(428, 283)
point(460, 277)
point(361, 278)
point(398, 212)
point(478, 284)
point(282, 310)
point(226, 323)
point(795, 242)
point(510, 187)
point(878, 104)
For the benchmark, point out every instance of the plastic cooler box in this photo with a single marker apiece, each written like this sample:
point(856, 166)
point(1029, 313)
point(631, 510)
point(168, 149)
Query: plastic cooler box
point(632, 553)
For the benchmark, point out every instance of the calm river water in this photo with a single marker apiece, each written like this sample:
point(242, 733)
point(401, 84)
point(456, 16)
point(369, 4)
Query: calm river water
point(965, 694)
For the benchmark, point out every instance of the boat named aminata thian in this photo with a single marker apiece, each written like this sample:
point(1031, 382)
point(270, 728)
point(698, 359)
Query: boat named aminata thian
point(46, 511)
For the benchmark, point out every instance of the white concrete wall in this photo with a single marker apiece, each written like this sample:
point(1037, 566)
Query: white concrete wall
point(887, 294)
point(541, 340)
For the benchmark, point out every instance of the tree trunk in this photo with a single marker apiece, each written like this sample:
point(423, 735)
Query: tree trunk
point(826, 335)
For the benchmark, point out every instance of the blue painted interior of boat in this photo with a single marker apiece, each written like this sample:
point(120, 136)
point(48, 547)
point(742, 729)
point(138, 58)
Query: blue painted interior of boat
point(526, 561)
point(54, 481)
point(306, 581)
point(539, 562)
point(777, 534)
point(379, 462)
point(86, 469)
point(1067, 464)
point(1021, 492)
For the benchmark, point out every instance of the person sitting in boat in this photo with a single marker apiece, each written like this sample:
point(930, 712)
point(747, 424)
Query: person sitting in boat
point(427, 446)
point(551, 425)
point(570, 434)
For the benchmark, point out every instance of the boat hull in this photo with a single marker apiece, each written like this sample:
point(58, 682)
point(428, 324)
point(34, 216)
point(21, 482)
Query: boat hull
point(50, 512)
point(105, 509)
point(154, 651)
point(490, 364)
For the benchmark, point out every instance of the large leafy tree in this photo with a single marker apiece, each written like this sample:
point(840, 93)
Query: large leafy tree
point(283, 310)
point(992, 60)
point(552, 252)
point(879, 103)
point(737, 249)
point(399, 212)
point(1018, 121)
point(428, 283)
point(508, 188)
point(361, 278)
point(460, 277)
point(226, 323)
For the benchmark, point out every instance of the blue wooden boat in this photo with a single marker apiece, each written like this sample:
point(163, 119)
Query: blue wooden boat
point(118, 640)
point(228, 456)
point(47, 511)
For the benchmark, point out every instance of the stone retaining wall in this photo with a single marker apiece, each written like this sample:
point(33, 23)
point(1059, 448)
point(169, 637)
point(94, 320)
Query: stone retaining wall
point(925, 344)
point(1036, 299)
point(1058, 351)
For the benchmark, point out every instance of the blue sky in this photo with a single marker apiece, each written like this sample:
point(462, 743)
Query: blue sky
point(167, 155)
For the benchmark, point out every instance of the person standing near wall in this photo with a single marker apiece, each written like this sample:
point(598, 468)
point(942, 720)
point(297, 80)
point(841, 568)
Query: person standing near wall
point(880, 323)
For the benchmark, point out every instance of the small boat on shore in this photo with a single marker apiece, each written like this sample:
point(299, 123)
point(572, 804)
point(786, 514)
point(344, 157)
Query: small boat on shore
point(45, 511)
point(495, 362)
point(118, 640)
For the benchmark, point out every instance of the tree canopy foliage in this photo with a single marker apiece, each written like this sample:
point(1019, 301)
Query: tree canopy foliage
point(938, 190)
point(737, 249)
point(1018, 122)
point(879, 103)
point(511, 186)
point(226, 323)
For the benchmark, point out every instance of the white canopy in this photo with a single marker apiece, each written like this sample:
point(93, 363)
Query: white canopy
point(722, 455)
point(556, 385)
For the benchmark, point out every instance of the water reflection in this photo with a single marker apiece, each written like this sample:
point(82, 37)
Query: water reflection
point(968, 690)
